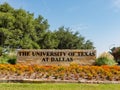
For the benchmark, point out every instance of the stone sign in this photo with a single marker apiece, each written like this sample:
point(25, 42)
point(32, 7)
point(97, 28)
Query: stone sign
point(56, 57)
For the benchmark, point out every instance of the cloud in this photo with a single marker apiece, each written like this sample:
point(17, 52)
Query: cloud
point(73, 9)
point(116, 5)
point(2, 1)
point(79, 27)
point(15, 4)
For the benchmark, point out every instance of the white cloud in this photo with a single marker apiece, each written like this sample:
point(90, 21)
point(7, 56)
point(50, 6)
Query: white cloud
point(79, 27)
point(2, 1)
point(15, 4)
point(73, 9)
point(116, 5)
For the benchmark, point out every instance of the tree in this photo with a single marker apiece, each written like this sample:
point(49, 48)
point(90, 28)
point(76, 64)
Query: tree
point(115, 51)
point(20, 28)
point(49, 41)
point(6, 8)
point(88, 45)
point(70, 40)
point(1, 39)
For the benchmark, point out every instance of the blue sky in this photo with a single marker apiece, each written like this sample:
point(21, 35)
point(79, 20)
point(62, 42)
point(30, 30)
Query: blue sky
point(96, 20)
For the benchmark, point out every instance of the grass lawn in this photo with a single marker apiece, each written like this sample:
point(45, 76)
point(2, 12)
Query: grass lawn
point(58, 86)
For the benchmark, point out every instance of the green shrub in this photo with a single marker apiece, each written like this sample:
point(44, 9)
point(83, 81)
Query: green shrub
point(105, 59)
point(4, 58)
point(1, 51)
point(12, 59)
point(9, 57)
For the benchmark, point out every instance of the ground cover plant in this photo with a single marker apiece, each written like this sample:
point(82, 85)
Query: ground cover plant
point(72, 72)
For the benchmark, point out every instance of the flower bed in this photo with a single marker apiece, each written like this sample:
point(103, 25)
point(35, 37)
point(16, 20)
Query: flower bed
point(72, 72)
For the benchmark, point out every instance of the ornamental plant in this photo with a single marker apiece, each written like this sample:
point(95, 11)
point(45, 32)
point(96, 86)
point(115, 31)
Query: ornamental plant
point(115, 51)
point(105, 59)
point(20, 71)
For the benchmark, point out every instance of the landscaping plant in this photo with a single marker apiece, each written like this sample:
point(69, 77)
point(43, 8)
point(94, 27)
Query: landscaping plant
point(105, 59)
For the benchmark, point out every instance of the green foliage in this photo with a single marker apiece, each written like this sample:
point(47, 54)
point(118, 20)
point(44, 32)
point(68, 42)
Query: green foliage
point(1, 49)
point(49, 41)
point(22, 30)
point(6, 8)
point(105, 59)
point(70, 40)
point(12, 59)
point(8, 56)
point(1, 39)
point(4, 59)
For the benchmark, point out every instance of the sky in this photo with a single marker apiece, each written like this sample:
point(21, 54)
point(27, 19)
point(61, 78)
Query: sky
point(96, 20)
